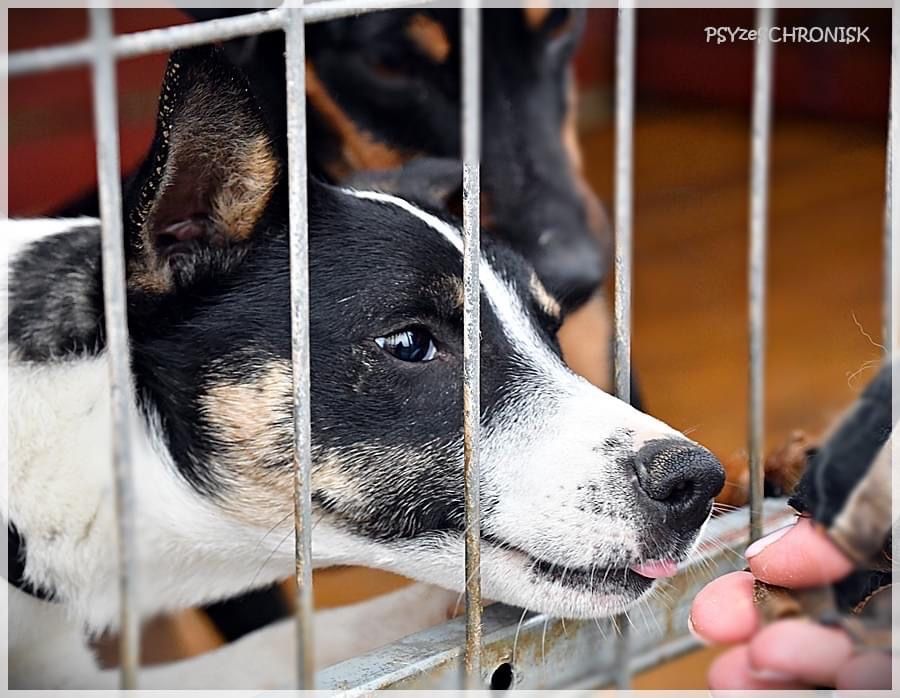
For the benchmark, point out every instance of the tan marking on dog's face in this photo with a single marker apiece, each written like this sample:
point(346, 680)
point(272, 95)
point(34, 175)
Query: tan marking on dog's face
point(359, 148)
point(586, 341)
point(597, 219)
point(429, 37)
point(252, 421)
point(155, 281)
point(570, 129)
point(547, 302)
point(450, 287)
point(536, 14)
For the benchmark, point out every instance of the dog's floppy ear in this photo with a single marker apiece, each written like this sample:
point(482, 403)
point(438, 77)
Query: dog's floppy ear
point(198, 198)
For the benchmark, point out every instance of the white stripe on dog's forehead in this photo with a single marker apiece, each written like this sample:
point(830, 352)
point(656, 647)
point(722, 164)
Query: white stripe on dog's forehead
point(506, 304)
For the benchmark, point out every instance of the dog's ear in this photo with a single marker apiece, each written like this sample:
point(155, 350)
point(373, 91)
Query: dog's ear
point(434, 182)
point(198, 198)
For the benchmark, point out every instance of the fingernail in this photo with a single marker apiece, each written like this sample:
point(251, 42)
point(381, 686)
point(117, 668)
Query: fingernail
point(693, 631)
point(758, 546)
point(770, 675)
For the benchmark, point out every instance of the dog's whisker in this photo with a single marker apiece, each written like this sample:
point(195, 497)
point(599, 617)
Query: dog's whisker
point(269, 558)
point(269, 532)
point(516, 638)
point(544, 644)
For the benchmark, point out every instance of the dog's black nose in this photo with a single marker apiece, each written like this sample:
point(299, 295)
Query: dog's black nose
point(677, 481)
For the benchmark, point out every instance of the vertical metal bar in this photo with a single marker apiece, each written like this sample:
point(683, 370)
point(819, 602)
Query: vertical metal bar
point(118, 355)
point(624, 203)
point(889, 329)
point(471, 139)
point(759, 194)
point(624, 197)
point(295, 62)
point(892, 296)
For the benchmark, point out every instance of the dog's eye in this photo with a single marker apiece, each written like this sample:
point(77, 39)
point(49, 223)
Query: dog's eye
point(413, 344)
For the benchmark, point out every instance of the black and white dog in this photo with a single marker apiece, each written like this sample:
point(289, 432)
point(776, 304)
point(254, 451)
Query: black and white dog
point(585, 500)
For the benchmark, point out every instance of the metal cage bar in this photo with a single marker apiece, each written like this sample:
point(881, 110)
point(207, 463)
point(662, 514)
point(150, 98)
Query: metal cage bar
point(298, 222)
point(79, 53)
point(624, 197)
point(116, 324)
point(550, 653)
point(889, 329)
point(471, 139)
point(624, 205)
point(759, 194)
point(101, 50)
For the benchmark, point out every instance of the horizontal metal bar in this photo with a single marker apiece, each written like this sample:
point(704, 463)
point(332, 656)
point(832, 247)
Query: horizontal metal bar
point(551, 653)
point(151, 41)
point(79, 53)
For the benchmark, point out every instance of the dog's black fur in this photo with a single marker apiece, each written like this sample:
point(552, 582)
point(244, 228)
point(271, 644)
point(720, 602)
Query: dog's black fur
point(577, 489)
point(385, 82)
point(408, 103)
point(210, 310)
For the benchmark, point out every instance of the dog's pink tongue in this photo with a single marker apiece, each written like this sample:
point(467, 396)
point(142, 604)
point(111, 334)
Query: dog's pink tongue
point(656, 569)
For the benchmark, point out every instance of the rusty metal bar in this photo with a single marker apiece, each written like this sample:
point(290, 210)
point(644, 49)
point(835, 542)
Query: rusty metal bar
point(549, 653)
point(471, 139)
point(295, 61)
point(624, 204)
point(759, 194)
point(105, 102)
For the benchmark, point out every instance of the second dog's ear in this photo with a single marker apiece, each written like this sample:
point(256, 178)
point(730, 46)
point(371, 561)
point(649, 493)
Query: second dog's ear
point(198, 198)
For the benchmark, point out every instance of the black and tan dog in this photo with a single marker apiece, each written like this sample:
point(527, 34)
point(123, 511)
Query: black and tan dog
point(585, 500)
point(384, 89)
point(383, 109)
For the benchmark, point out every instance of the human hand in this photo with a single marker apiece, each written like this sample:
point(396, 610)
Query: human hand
point(793, 653)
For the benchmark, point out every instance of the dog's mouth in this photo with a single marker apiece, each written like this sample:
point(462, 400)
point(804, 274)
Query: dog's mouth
point(593, 579)
point(629, 579)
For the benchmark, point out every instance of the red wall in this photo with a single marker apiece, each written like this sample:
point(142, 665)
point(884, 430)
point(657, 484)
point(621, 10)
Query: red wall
point(51, 148)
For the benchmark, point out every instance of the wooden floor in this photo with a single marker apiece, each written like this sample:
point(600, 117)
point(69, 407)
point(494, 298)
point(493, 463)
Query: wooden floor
point(690, 312)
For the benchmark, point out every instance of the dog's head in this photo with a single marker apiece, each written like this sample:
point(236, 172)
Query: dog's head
point(384, 88)
point(579, 491)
